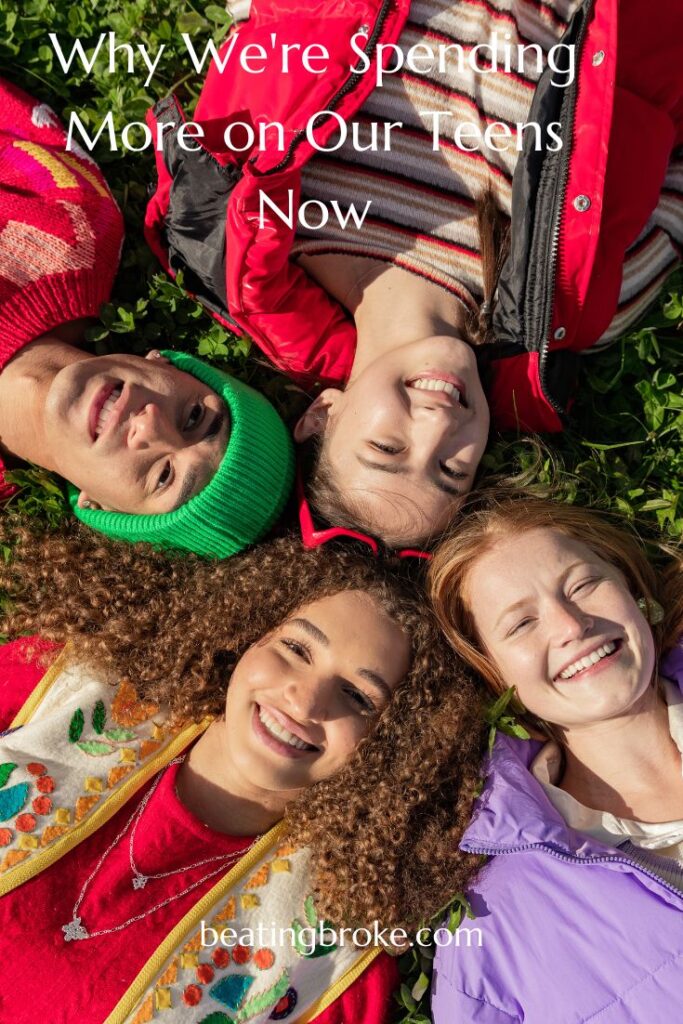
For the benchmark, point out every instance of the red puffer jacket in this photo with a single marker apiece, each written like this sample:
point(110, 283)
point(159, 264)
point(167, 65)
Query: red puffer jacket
point(574, 213)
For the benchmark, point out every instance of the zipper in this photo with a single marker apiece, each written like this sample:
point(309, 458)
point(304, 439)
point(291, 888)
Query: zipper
point(549, 257)
point(348, 86)
point(490, 851)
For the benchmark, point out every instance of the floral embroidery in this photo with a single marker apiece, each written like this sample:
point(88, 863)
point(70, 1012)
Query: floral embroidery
point(262, 1002)
point(241, 954)
point(285, 1006)
point(76, 726)
point(312, 921)
point(121, 740)
point(16, 797)
point(231, 990)
point(13, 799)
point(264, 959)
point(99, 717)
point(109, 740)
point(127, 709)
point(192, 995)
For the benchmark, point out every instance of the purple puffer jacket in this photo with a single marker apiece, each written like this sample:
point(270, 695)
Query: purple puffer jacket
point(571, 932)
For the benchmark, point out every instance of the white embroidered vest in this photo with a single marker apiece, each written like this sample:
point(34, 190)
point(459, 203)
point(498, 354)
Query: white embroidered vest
point(77, 751)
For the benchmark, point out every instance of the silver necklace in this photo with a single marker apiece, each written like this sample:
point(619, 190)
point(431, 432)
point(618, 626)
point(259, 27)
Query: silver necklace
point(76, 930)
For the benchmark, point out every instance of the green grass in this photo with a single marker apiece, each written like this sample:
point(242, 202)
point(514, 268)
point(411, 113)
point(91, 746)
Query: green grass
point(625, 453)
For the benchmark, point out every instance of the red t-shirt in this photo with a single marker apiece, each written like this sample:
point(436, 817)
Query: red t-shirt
point(42, 977)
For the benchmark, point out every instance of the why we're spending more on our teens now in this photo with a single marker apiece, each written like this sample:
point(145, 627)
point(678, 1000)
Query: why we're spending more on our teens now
point(388, 59)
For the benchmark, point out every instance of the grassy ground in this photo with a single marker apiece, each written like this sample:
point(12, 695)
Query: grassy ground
point(625, 452)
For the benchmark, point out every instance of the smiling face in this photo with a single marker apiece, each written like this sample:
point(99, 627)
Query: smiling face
point(407, 435)
point(562, 627)
point(300, 701)
point(135, 435)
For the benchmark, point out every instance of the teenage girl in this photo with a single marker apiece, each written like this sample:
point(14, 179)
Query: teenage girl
point(579, 907)
point(384, 317)
point(184, 765)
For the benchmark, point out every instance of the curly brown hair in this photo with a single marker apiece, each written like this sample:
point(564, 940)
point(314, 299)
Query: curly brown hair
point(384, 832)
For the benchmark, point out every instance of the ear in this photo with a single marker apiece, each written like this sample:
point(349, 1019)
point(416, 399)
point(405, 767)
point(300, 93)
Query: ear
point(156, 355)
point(316, 418)
point(85, 502)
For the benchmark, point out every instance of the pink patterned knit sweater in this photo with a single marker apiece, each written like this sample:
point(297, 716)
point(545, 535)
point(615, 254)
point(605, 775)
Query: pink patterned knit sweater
point(60, 228)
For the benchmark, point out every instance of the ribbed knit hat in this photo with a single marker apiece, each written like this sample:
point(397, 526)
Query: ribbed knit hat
point(244, 497)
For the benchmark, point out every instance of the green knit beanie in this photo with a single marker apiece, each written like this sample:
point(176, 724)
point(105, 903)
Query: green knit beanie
point(244, 497)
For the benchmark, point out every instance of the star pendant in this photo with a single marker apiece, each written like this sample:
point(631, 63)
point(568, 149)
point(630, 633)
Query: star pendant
point(74, 930)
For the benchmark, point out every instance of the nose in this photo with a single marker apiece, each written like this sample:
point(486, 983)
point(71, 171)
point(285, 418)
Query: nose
point(568, 622)
point(434, 435)
point(305, 693)
point(148, 425)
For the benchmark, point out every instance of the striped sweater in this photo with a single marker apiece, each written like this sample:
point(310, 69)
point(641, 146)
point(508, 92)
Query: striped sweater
point(422, 215)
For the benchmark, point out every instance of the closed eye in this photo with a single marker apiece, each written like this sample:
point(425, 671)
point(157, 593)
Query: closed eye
point(584, 584)
point(361, 700)
point(387, 448)
point(452, 473)
point(519, 626)
point(301, 650)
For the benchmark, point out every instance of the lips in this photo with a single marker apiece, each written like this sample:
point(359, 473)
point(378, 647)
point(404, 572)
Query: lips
point(598, 654)
point(443, 384)
point(102, 407)
point(271, 727)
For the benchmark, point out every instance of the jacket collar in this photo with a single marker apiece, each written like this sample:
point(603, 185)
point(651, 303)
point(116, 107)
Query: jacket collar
point(513, 811)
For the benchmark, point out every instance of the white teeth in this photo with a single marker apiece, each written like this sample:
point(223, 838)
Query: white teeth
point(107, 408)
point(276, 730)
point(590, 659)
point(426, 384)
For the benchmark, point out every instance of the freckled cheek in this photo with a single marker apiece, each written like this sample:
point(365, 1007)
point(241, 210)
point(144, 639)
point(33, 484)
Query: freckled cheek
point(342, 741)
point(524, 669)
point(256, 670)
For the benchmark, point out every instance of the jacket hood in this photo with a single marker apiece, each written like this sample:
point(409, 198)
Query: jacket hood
point(513, 810)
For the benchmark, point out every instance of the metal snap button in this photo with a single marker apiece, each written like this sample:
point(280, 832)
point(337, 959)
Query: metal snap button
point(560, 333)
point(582, 203)
point(598, 58)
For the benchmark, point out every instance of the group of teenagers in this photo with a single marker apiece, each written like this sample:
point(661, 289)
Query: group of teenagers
point(243, 700)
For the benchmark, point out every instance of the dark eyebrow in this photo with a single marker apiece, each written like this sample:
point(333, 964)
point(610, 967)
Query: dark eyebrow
point(376, 680)
point(391, 468)
point(313, 631)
